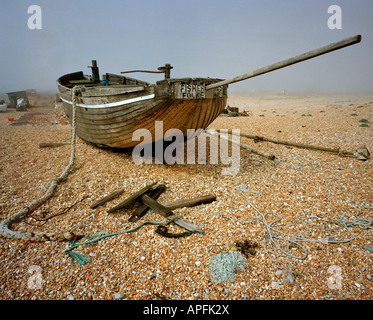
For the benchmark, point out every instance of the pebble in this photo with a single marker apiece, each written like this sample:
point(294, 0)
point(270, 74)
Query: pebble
point(369, 248)
point(125, 264)
point(275, 285)
point(119, 295)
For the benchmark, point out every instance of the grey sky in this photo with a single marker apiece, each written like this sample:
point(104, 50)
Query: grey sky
point(200, 38)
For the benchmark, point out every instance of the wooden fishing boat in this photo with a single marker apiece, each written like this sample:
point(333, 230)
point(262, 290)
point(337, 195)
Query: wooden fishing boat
point(110, 111)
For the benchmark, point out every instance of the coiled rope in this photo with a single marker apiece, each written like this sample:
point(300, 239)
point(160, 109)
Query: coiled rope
point(5, 225)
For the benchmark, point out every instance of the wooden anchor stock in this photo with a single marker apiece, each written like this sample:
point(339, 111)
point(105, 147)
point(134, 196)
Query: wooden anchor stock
point(167, 213)
point(148, 197)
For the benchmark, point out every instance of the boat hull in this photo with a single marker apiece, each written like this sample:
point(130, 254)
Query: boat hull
point(113, 116)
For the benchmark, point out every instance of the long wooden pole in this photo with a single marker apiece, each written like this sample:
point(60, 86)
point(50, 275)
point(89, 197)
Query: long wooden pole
point(248, 148)
point(293, 144)
point(305, 56)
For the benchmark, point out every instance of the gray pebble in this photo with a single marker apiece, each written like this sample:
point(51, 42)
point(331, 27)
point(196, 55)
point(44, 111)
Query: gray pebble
point(369, 248)
point(369, 277)
point(119, 295)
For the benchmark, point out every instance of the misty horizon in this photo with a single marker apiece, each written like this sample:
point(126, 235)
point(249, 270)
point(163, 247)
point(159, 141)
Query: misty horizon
point(217, 39)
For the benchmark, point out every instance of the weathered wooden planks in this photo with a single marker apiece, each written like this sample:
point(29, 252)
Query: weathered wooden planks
point(111, 91)
point(109, 197)
point(114, 126)
point(142, 209)
point(147, 196)
point(117, 131)
point(190, 202)
point(132, 198)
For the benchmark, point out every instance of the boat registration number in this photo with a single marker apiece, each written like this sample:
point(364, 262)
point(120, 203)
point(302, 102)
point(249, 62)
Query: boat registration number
point(192, 91)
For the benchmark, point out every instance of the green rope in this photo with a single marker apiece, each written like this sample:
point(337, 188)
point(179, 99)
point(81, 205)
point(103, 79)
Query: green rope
point(81, 259)
point(363, 223)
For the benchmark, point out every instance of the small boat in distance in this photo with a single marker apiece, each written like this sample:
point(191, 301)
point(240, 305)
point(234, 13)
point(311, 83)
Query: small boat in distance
point(111, 110)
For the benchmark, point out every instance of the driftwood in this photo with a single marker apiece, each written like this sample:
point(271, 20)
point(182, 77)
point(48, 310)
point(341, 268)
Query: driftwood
point(362, 153)
point(132, 198)
point(248, 148)
point(52, 144)
point(109, 197)
point(190, 202)
point(167, 213)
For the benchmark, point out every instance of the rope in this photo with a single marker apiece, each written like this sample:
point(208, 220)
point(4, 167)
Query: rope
point(81, 259)
point(45, 220)
point(363, 223)
point(271, 231)
point(276, 235)
point(43, 236)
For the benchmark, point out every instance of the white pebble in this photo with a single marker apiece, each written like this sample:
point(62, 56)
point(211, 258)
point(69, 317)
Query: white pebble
point(198, 263)
point(275, 285)
point(119, 295)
